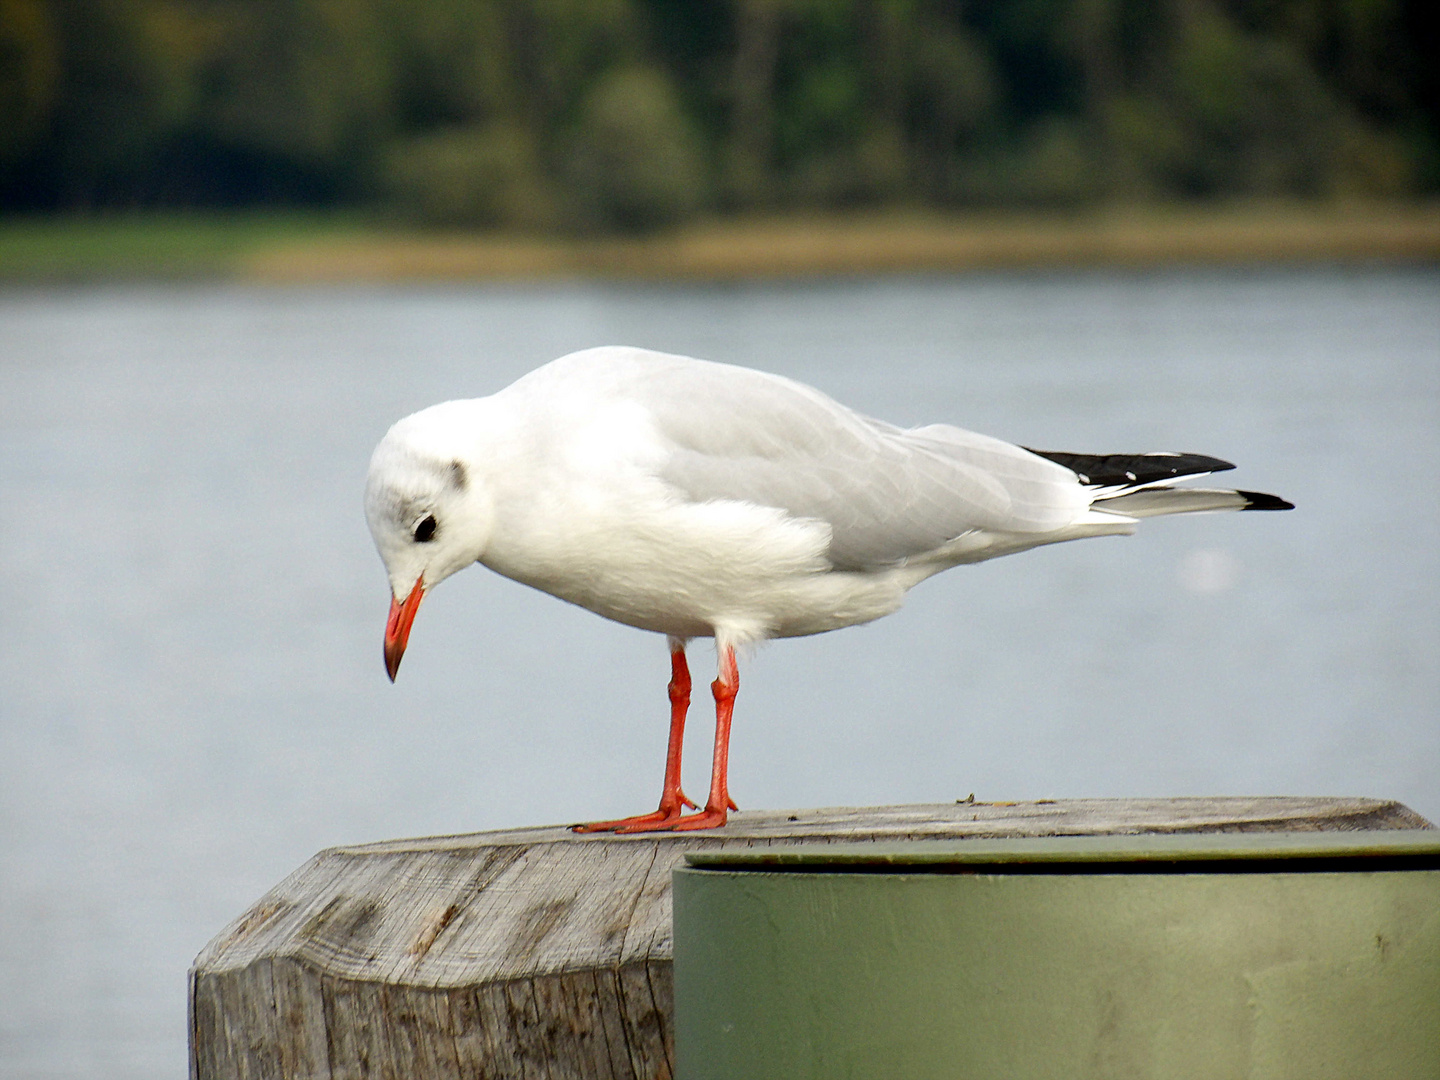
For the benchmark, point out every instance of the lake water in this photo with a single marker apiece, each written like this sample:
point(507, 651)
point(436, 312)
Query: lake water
point(192, 699)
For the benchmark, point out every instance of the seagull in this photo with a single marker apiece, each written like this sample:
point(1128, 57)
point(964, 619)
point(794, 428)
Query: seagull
point(697, 499)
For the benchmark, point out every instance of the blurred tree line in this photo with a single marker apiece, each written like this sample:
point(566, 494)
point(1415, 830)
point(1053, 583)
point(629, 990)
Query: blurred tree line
point(632, 114)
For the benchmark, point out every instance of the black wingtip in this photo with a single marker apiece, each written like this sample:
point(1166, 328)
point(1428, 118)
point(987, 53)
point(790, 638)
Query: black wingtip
point(1258, 500)
point(1212, 464)
point(1133, 470)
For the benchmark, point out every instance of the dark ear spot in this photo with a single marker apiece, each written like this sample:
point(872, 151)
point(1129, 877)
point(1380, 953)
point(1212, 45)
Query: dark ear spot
point(458, 477)
point(425, 529)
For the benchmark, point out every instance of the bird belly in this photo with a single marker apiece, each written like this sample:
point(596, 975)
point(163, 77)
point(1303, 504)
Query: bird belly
point(745, 571)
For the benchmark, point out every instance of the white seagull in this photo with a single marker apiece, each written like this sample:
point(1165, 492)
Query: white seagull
point(697, 499)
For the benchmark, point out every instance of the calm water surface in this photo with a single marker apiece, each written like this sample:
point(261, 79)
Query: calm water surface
point(192, 700)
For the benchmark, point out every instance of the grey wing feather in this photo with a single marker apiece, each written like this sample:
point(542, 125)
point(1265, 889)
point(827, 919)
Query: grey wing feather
point(887, 494)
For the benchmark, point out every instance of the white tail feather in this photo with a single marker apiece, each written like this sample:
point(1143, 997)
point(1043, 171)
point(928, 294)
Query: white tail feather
point(1154, 501)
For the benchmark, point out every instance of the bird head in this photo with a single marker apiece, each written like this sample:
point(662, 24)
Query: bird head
point(428, 513)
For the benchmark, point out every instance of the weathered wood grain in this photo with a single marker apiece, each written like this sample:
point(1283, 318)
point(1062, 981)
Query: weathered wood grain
point(539, 954)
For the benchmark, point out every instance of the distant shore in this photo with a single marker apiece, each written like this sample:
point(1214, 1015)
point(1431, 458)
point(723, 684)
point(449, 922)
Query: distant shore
point(304, 248)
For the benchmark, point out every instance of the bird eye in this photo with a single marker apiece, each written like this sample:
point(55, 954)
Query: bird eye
point(425, 529)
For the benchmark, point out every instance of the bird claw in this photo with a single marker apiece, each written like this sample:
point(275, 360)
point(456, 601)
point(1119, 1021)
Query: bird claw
point(651, 823)
point(638, 823)
point(670, 811)
point(709, 818)
point(666, 819)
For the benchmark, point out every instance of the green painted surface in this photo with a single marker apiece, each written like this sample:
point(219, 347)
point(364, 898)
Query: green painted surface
point(876, 974)
point(1141, 851)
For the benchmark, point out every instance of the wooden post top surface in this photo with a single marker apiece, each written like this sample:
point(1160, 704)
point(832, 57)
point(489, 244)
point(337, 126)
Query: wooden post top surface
point(540, 952)
point(467, 910)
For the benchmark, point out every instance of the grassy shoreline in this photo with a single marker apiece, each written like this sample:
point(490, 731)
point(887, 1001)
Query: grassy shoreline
point(302, 247)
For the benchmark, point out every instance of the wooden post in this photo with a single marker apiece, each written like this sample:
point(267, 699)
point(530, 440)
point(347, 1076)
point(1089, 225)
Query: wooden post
point(540, 953)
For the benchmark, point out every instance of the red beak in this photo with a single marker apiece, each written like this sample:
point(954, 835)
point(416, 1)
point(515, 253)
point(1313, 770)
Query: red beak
point(397, 627)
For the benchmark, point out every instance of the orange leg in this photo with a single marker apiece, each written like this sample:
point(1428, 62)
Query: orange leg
point(724, 688)
point(672, 799)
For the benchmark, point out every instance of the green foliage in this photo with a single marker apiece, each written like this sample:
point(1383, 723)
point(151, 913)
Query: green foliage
point(638, 114)
point(29, 72)
point(121, 93)
point(1259, 120)
point(482, 175)
point(305, 81)
point(153, 244)
point(450, 61)
point(630, 161)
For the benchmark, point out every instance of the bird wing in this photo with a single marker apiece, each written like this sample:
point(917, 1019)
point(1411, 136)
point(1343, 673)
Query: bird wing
point(886, 494)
